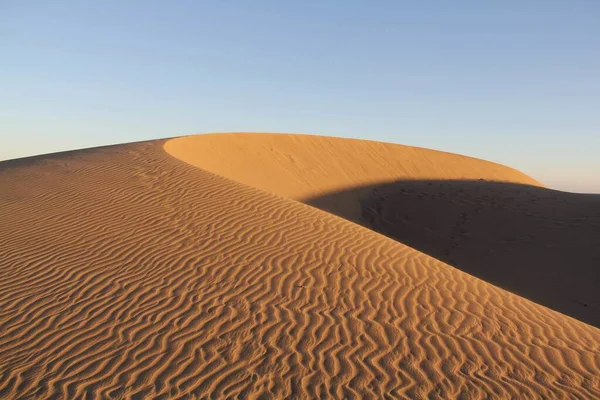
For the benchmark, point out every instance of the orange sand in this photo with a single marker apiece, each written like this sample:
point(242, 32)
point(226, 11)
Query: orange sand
point(484, 218)
point(128, 273)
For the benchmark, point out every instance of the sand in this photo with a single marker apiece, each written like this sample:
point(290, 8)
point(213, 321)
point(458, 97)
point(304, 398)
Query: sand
point(484, 218)
point(126, 272)
point(303, 167)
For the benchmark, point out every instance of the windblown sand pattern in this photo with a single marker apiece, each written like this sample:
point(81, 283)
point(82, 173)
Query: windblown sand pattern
point(481, 217)
point(127, 273)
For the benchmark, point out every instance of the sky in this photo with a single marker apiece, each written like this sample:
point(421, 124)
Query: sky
point(512, 81)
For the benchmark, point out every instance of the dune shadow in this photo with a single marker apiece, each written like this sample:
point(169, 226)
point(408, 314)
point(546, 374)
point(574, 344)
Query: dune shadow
point(539, 243)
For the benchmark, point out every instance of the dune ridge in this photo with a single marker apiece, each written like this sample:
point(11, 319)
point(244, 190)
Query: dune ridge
point(302, 167)
point(128, 273)
point(324, 163)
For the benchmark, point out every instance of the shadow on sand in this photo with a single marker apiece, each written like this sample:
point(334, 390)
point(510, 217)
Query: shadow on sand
point(541, 244)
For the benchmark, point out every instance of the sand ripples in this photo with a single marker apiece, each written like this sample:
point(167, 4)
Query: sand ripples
point(125, 273)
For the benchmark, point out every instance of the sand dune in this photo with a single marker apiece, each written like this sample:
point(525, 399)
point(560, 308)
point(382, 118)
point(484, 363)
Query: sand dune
point(303, 167)
point(539, 243)
point(484, 218)
point(128, 273)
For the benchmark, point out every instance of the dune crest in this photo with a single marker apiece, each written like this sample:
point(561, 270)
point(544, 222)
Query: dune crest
point(302, 167)
point(127, 273)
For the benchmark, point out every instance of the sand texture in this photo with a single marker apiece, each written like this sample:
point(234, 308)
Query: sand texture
point(127, 272)
point(484, 218)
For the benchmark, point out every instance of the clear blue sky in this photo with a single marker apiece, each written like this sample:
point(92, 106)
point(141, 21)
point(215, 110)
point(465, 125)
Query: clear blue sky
point(517, 82)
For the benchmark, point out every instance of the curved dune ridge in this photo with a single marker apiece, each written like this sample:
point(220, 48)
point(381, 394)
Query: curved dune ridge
point(128, 273)
point(302, 167)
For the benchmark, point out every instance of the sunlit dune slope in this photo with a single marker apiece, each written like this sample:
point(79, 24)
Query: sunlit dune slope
point(305, 166)
point(487, 219)
point(127, 273)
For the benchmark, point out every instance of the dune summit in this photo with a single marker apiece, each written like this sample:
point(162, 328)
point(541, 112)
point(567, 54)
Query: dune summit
point(303, 167)
point(126, 272)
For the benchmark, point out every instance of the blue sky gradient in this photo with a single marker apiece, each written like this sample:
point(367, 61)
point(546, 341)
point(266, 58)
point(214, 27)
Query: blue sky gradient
point(517, 82)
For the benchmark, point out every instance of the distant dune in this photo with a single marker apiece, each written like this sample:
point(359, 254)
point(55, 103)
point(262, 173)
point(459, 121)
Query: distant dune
point(126, 272)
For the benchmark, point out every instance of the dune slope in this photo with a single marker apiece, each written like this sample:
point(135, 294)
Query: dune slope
point(487, 219)
point(539, 243)
point(303, 167)
point(126, 273)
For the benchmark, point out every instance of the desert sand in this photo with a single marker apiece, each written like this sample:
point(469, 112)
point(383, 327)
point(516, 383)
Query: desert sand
point(484, 218)
point(280, 266)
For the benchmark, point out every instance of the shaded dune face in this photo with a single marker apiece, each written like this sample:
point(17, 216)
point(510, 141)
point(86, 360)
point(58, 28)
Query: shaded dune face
point(127, 273)
point(541, 244)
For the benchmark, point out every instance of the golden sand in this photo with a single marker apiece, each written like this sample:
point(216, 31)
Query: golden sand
point(126, 272)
